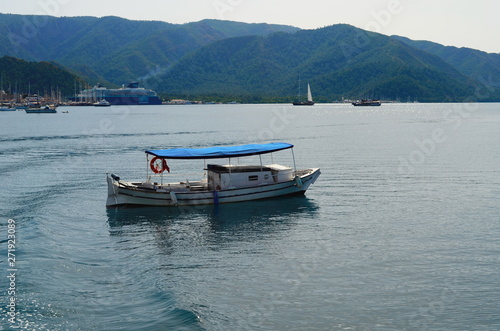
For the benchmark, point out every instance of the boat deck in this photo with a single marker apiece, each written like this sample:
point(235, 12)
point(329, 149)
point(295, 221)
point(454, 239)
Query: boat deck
point(181, 187)
point(196, 186)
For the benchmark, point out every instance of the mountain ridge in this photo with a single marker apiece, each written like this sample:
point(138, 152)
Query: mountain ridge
point(99, 46)
point(255, 64)
point(483, 66)
point(255, 61)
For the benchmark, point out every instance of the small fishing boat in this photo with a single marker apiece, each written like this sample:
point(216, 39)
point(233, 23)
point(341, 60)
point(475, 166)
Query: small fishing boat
point(219, 184)
point(41, 110)
point(368, 102)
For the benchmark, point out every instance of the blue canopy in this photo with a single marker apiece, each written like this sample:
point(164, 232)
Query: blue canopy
point(219, 152)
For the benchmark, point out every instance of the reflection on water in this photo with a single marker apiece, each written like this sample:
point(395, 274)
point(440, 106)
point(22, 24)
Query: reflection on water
point(220, 217)
point(181, 244)
point(209, 226)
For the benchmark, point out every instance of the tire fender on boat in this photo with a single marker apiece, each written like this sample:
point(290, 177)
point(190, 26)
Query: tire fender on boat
point(173, 197)
point(298, 181)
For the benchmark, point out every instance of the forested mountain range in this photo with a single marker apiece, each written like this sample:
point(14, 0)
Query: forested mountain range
point(479, 66)
point(113, 49)
point(338, 61)
point(252, 62)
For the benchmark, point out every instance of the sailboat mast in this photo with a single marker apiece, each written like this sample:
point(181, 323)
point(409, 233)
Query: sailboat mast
point(309, 101)
point(298, 93)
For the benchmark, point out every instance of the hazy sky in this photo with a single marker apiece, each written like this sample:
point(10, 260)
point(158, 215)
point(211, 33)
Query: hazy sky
point(461, 23)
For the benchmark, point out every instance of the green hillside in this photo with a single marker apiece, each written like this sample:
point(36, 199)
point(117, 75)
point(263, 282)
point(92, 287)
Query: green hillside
point(111, 48)
point(479, 66)
point(21, 77)
point(333, 59)
point(224, 60)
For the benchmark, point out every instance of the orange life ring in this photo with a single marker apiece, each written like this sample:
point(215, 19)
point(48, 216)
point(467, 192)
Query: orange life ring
point(158, 167)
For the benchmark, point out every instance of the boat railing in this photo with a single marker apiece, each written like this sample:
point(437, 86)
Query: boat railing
point(303, 172)
point(177, 175)
point(181, 177)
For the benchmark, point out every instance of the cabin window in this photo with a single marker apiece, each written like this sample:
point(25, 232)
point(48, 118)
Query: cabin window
point(253, 178)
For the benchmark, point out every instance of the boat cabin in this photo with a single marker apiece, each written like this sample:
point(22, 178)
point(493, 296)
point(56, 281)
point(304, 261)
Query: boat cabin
point(224, 177)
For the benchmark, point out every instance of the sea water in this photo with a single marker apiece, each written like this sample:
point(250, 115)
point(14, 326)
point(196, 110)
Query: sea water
point(400, 232)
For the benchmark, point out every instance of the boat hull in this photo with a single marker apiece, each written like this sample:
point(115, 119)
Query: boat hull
point(133, 100)
point(367, 104)
point(303, 103)
point(122, 193)
point(41, 111)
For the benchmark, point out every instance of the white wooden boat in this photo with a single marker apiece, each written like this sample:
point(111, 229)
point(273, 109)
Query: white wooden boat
point(220, 184)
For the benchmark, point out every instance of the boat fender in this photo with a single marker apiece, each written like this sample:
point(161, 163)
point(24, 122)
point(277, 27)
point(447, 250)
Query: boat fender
point(298, 181)
point(158, 166)
point(173, 197)
point(216, 197)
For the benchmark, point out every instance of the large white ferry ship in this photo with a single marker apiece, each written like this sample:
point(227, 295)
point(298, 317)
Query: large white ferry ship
point(132, 94)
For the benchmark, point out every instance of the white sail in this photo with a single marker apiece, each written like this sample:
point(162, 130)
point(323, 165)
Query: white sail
point(309, 94)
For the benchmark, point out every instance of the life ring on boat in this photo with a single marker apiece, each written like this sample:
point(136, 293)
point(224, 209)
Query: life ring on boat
point(158, 165)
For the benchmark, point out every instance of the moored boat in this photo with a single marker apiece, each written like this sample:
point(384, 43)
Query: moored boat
point(131, 94)
point(367, 102)
point(102, 103)
point(309, 101)
point(41, 110)
point(220, 183)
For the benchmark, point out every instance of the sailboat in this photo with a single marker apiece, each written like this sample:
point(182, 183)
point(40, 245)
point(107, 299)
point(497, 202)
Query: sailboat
point(309, 101)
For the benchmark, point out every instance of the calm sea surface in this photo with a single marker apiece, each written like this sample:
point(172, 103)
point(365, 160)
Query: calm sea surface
point(400, 232)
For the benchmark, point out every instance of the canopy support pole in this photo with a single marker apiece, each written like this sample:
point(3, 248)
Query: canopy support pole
point(294, 165)
point(147, 169)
